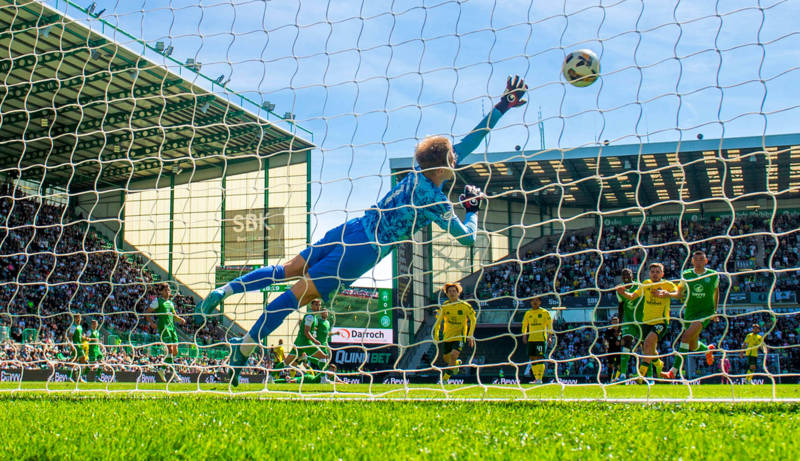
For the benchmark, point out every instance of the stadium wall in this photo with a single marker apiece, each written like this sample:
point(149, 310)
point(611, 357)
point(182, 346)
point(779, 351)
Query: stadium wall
point(180, 228)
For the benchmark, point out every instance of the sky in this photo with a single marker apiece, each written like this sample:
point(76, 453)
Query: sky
point(370, 78)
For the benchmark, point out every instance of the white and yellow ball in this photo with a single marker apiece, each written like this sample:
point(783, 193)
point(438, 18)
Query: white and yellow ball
point(581, 68)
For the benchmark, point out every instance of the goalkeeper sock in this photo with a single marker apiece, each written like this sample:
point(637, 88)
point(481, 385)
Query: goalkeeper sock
point(445, 378)
point(623, 361)
point(257, 279)
point(527, 370)
point(270, 319)
point(700, 347)
point(683, 349)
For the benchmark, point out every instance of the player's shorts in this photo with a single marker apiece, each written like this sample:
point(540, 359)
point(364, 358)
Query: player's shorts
point(613, 359)
point(77, 353)
point(450, 346)
point(340, 257)
point(298, 351)
point(693, 315)
point(632, 329)
point(752, 360)
point(169, 336)
point(660, 329)
point(536, 348)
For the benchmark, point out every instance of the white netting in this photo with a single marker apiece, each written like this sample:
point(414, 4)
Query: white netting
point(194, 142)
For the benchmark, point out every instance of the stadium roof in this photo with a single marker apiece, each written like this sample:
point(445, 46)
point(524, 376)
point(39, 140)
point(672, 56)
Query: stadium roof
point(81, 111)
point(615, 176)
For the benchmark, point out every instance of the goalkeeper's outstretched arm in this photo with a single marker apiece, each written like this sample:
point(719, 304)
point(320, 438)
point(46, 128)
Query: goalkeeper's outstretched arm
point(512, 97)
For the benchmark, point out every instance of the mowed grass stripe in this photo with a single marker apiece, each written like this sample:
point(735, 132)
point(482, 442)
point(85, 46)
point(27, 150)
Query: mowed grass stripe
point(787, 392)
point(199, 427)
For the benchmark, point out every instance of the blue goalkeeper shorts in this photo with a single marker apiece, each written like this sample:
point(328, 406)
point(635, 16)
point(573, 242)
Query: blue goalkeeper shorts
point(342, 256)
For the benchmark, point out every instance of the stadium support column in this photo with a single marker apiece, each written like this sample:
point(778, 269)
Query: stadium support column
point(171, 222)
point(121, 232)
point(395, 275)
point(510, 229)
point(222, 228)
point(308, 197)
point(265, 227)
point(541, 218)
point(222, 219)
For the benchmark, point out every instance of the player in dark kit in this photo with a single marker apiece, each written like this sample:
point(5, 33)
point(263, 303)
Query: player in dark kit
point(612, 338)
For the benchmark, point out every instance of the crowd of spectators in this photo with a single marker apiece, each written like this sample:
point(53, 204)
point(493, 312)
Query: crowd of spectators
point(53, 264)
point(582, 348)
point(589, 261)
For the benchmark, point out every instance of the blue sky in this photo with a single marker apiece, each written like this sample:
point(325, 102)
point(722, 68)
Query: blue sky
point(371, 78)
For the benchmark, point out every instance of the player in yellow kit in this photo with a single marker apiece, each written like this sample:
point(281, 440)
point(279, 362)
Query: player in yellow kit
point(657, 295)
point(458, 319)
point(753, 342)
point(537, 324)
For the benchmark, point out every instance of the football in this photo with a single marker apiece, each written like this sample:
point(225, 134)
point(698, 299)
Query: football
point(581, 68)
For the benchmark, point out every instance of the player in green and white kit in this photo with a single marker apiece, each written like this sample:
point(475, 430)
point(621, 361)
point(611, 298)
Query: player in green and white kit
point(95, 351)
point(701, 286)
point(321, 357)
point(630, 311)
point(76, 339)
point(165, 312)
point(306, 342)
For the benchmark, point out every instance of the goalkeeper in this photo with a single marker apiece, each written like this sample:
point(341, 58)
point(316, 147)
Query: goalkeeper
point(353, 248)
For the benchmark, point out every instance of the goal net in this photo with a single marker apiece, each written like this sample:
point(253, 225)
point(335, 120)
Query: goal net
point(154, 152)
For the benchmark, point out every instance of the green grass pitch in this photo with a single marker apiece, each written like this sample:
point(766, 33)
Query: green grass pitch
point(455, 422)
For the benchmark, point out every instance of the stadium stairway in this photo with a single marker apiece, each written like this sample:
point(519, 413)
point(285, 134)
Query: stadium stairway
point(111, 235)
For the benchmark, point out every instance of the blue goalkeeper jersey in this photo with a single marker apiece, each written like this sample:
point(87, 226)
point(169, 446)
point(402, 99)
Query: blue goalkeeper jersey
point(415, 202)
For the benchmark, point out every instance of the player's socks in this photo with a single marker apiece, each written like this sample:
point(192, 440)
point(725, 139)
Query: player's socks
point(623, 360)
point(683, 349)
point(169, 364)
point(749, 376)
point(702, 347)
point(528, 369)
point(272, 317)
point(257, 279)
point(538, 371)
point(658, 367)
point(644, 369)
point(316, 363)
point(445, 378)
point(456, 367)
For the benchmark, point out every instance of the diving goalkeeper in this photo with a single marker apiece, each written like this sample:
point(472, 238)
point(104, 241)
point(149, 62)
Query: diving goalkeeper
point(353, 248)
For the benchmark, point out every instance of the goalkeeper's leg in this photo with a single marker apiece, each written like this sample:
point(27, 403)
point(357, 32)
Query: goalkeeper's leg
point(255, 280)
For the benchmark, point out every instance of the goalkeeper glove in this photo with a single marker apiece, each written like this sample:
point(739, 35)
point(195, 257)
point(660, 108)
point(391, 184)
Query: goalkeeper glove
point(512, 97)
point(471, 198)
